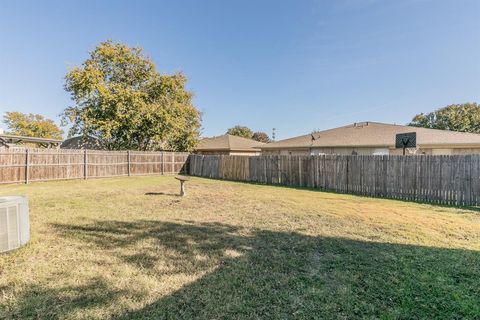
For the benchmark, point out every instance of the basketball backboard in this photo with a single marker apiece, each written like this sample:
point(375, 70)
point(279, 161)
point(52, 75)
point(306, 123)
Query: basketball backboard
point(406, 140)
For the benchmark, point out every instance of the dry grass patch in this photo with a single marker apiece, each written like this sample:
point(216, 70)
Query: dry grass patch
point(130, 249)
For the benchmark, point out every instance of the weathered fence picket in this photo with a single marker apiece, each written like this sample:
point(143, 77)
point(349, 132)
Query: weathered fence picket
point(438, 179)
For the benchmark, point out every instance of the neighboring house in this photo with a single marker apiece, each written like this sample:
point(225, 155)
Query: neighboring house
point(229, 145)
point(367, 138)
point(83, 142)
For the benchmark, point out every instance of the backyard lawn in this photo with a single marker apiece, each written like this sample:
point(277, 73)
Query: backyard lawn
point(129, 248)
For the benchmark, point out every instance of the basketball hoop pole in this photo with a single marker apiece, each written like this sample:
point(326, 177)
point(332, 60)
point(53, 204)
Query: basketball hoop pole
point(405, 144)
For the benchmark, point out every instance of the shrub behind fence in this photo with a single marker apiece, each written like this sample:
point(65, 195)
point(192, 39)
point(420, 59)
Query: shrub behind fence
point(437, 179)
point(26, 165)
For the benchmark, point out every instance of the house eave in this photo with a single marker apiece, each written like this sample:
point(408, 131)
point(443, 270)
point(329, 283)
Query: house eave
point(228, 149)
point(391, 146)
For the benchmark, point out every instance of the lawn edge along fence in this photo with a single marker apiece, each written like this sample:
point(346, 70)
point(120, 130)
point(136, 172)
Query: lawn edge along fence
point(27, 165)
point(453, 180)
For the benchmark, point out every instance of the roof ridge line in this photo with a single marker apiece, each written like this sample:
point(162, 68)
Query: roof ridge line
point(228, 141)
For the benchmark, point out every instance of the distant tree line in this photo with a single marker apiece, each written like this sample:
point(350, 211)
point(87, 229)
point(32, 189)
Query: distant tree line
point(31, 125)
point(455, 117)
point(246, 132)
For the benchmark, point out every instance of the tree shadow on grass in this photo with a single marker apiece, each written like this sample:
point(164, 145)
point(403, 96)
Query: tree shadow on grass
point(251, 273)
point(162, 194)
point(42, 302)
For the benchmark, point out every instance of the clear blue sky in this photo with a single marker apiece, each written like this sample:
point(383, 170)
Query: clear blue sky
point(294, 65)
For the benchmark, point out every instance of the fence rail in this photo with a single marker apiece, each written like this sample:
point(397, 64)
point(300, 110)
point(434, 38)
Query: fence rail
point(438, 179)
point(26, 165)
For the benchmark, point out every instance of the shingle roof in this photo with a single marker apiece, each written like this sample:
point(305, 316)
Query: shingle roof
point(14, 138)
point(375, 134)
point(229, 142)
point(83, 142)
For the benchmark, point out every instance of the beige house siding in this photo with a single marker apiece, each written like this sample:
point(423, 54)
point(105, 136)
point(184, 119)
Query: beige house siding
point(317, 151)
point(466, 151)
point(245, 153)
point(286, 152)
point(212, 152)
point(450, 151)
point(370, 151)
point(346, 151)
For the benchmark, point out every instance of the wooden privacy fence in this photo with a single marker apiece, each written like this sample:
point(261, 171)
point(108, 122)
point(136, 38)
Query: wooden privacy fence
point(25, 165)
point(437, 179)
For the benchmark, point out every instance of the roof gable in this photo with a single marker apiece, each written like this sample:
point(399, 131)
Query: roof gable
point(228, 142)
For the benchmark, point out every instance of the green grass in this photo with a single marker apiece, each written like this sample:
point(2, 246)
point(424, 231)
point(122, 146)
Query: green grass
point(130, 249)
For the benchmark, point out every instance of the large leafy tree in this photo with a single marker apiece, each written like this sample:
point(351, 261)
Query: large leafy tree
point(31, 125)
point(261, 137)
point(456, 117)
point(120, 98)
point(241, 131)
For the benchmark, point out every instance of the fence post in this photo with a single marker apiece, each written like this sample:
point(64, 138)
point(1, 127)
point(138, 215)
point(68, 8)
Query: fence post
point(128, 162)
point(163, 164)
point(85, 165)
point(348, 172)
point(299, 171)
point(26, 166)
